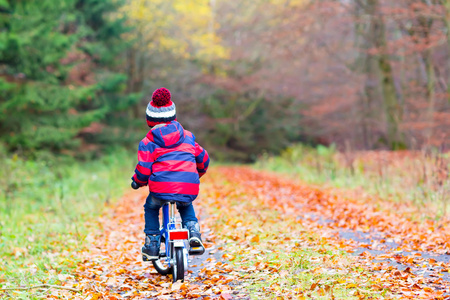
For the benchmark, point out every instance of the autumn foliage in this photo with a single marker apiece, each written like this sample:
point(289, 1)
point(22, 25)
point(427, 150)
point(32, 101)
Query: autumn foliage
point(275, 238)
point(366, 73)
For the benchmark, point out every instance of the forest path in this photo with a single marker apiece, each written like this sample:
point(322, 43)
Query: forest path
point(404, 258)
point(280, 238)
point(112, 266)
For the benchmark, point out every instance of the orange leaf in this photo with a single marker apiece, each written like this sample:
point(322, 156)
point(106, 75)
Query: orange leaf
point(255, 239)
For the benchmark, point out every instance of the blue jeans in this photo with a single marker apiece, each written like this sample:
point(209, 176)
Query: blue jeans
point(151, 214)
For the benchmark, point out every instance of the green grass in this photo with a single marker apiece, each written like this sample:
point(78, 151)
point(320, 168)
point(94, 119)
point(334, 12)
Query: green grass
point(276, 258)
point(47, 208)
point(287, 261)
point(415, 177)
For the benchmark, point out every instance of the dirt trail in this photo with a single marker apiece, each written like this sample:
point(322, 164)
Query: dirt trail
point(236, 209)
point(411, 259)
point(112, 267)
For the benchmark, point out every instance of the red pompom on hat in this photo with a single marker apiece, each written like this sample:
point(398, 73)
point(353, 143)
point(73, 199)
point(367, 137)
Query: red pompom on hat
point(161, 97)
point(161, 109)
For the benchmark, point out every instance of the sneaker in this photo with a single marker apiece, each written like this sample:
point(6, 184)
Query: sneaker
point(195, 239)
point(150, 251)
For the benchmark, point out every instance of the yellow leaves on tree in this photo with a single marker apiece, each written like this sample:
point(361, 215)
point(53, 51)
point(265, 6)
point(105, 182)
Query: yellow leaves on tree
point(185, 28)
point(289, 3)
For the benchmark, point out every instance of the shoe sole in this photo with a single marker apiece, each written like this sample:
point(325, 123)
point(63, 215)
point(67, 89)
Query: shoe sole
point(196, 247)
point(146, 257)
point(196, 250)
point(195, 242)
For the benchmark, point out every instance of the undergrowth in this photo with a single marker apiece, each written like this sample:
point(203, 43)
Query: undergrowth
point(47, 207)
point(420, 178)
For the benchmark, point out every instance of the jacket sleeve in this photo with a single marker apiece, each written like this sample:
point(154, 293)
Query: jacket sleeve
point(202, 159)
point(144, 167)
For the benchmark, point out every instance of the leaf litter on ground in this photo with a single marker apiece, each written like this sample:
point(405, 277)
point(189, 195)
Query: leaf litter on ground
point(271, 248)
point(323, 214)
point(112, 266)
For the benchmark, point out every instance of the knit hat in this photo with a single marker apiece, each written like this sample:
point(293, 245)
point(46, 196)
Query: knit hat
point(161, 109)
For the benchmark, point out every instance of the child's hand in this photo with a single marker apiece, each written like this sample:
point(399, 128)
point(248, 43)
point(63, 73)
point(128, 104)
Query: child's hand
point(134, 185)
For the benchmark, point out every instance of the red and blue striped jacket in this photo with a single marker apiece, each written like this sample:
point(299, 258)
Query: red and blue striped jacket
point(171, 163)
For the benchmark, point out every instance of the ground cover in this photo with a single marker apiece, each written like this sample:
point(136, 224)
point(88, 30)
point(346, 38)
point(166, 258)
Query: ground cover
point(47, 208)
point(268, 237)
point(112, 267)
point(418, 179)
point(277, 256)
point(407, 258)
point(263, 252)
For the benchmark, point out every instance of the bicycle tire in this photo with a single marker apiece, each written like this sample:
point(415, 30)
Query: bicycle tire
point(161, 267)
point(178, 265)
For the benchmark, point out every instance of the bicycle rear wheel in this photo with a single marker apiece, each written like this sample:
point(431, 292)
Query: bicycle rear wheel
point(178, 265)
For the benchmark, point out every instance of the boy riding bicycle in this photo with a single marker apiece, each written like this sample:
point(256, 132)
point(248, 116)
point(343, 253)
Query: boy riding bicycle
point(170, 162)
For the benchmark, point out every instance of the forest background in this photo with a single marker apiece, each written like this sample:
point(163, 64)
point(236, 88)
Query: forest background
point(247, 76)
point(321, 89)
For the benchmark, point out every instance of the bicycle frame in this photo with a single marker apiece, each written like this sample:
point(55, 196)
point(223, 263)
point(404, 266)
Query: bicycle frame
point(168, 222)
point(173, 237)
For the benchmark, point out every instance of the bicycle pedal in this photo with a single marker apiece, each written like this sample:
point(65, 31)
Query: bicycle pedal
point(196, 250)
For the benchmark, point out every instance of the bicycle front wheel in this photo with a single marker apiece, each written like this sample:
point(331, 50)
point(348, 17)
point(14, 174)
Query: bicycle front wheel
point(178, 265)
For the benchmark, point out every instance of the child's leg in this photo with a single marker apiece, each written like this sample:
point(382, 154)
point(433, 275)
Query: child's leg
point(187, 212)
point(190, 221)
point(151, 215)
point(150, 250)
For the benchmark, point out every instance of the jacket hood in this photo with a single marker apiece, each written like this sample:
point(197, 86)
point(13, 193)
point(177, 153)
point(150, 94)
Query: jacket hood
point(168, 136)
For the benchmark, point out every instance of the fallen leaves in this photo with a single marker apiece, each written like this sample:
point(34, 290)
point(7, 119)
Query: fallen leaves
point(277, 239)
point(273, 255)
point(241, 192)
point(112, 267)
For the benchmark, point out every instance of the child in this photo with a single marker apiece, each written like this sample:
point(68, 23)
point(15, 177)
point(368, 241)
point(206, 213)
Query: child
point(170, 163)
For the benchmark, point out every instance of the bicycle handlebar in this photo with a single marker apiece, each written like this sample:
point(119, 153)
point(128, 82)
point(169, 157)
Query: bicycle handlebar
point(134, 185)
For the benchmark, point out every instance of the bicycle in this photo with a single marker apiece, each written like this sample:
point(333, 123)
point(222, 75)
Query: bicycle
point(174, 259)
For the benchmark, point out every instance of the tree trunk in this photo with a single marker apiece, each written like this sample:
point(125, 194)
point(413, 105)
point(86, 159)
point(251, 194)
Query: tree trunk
point(131, 63)
point(367, 64)
point(446, 4)
point(133, 85)
point(430, 86)
point(430, 92)
point(393, 109)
